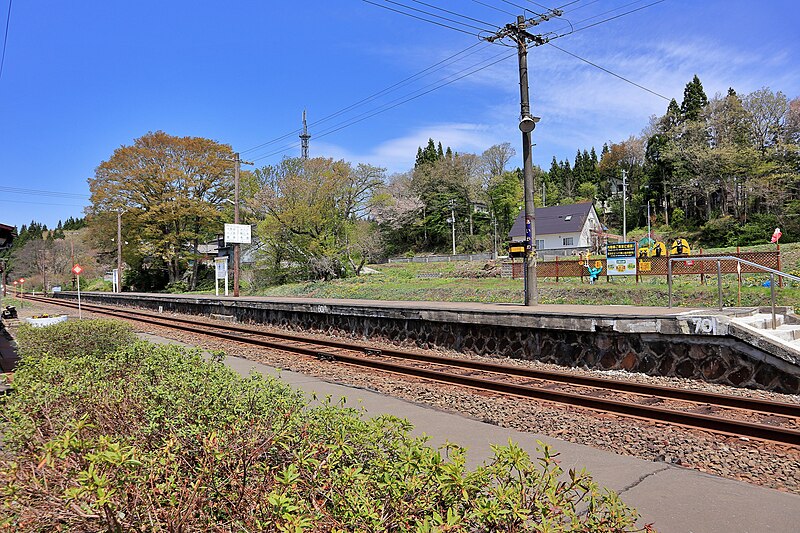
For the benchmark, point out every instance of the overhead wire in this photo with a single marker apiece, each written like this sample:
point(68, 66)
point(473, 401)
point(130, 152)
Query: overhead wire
point(440, 16)
point(37, 192)
point(495, 8)
point(456, 14)
point(406, 81)
point(420, 18)
point(5, 39)
point(609, 72)
point(402, 100)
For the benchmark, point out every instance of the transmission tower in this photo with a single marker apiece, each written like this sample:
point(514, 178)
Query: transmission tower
point(304, 137)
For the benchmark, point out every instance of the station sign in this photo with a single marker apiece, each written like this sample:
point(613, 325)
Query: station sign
point(221, 267)
point(237, 234)
point(621, 259)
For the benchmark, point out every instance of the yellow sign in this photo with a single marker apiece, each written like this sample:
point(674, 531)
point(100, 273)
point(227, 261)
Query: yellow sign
point(644, 266)
point(598, 264)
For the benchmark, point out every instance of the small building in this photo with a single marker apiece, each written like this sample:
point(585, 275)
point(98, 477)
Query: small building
point(7, 234)
point(562, 230)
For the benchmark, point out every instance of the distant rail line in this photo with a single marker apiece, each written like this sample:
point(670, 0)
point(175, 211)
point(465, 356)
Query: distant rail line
point(728, 414)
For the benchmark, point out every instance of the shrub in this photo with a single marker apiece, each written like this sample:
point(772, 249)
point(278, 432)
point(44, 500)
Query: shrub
point(154, 438)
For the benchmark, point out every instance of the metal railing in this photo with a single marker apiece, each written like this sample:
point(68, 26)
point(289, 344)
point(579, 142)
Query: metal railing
point(719, 259)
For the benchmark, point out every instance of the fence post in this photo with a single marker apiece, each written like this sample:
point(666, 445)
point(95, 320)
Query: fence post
point(556, 269)
point(719, 282)
point(780, 278)
point(669, 280)
point(702, 270)
point(772, 297)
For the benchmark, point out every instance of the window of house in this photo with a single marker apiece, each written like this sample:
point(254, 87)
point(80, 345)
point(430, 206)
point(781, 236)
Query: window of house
point(569, 241)
point(540, 244)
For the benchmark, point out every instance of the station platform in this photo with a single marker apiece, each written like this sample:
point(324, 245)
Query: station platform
point(674, 499)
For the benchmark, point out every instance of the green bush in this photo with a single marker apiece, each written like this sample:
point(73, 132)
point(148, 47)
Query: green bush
point(154, 438)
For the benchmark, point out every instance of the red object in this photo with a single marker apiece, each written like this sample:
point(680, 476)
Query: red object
point(22, 280)
point(15, 283)
point(689, 263)
point(776, 236)
point(77, 270)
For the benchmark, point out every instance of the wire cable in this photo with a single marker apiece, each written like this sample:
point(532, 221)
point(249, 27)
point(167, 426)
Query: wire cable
point(36, 192)
point(387, 107)
point(456, 14)
point(495, 8)
point(609, 72)
point(609, 18)
point(421, 74)
point(439, 16)
point(5, 39)
point(420, 18)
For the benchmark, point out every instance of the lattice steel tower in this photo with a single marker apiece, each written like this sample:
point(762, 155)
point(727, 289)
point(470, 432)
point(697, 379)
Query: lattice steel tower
point(304, 137)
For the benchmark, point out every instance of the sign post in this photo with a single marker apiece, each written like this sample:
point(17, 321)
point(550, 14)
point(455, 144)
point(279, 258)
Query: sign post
point(22, 285)
point(621, 259)
point(237, 234)
point(220, 272)
point(77, 271)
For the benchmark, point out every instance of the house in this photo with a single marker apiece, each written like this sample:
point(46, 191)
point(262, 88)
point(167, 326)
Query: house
point(562, 229)
point(7, 234)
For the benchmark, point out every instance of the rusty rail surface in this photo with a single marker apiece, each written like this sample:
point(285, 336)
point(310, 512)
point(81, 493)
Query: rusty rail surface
point(311, 347)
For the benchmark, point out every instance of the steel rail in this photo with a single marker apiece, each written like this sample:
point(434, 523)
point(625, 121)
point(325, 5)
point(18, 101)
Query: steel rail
point(722, 400)
point(724, 425)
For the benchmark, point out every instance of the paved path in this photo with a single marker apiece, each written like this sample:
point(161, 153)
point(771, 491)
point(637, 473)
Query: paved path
point(677, 500)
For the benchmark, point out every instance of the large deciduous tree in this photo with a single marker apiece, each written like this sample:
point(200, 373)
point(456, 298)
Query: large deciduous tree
point(171, 190)
point(313, 215)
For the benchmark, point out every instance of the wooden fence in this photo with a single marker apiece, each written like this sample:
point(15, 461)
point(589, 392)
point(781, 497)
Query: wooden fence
point(654, 266)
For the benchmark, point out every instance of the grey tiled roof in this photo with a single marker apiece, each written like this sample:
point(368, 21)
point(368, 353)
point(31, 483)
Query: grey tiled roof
point(554, 220)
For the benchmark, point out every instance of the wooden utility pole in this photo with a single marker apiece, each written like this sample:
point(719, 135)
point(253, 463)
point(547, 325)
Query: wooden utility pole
point(519, 33)
point(119, 250)
point(236, 221)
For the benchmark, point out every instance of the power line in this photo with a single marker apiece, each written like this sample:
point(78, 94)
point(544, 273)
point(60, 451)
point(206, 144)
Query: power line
point(609, 72)
point(494, 7)
point(456, 14)
point(406, 81)
point(5, 39)
point(39, 203)
point(420, 18)
point(609, 18)
point(439, 16)
point(387, 107)
point(36, 192)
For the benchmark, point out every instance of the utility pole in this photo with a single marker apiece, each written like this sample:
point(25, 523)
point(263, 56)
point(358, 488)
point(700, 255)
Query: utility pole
point(119, 249)
point(519, 33)
point(236, 245)
point(304, 137)
point(624, 213)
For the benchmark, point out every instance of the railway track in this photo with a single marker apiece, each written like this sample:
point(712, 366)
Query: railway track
point(732, 415)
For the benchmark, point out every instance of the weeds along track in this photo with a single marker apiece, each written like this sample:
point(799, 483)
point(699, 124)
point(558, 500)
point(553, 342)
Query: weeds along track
point(732, 415)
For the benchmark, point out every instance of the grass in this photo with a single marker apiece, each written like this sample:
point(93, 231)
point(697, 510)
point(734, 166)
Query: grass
point(468, 282)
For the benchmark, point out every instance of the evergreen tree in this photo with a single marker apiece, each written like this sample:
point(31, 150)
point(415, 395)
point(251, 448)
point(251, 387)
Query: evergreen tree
point(694, 100)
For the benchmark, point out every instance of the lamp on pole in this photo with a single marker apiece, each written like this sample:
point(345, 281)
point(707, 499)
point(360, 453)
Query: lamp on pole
point(452, 221)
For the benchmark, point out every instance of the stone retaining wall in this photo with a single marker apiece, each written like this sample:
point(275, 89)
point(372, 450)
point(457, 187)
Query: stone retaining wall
point(716, 359)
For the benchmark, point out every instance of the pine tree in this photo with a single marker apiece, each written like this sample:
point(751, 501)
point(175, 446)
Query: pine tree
point(694, 99)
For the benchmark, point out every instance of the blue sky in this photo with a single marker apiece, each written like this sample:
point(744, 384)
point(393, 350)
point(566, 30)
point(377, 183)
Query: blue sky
point(82, 78)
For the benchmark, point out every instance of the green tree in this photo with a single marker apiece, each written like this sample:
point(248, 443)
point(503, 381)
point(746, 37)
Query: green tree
point(694, 99)
point(172, 191)
point(312, 215)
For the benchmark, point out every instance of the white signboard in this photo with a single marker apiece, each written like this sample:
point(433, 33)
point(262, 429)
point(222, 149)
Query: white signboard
point(221, 267)
point(237, 233)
